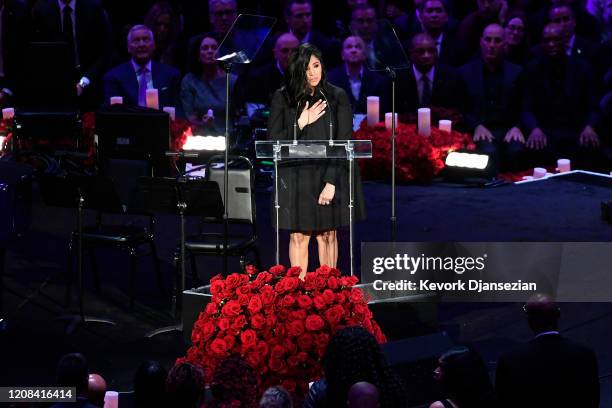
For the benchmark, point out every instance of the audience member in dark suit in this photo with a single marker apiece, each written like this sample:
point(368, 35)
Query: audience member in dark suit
point(559, 109)
point(539, 16)
point(221, 15)
point(364, 24)
point(427, 83)
point(298, 16)
point(265, 80)
point(72, 371)
point(576, 45)
point(550, 370)
point(14, 24)
point(130, 80)
point(434, 21)
point(492, 112)
point(357, 80)
point(85, 27)
point(516, 39)
point(489, 12)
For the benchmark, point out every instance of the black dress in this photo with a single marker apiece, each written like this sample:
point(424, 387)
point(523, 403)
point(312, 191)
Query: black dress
point(301, 181)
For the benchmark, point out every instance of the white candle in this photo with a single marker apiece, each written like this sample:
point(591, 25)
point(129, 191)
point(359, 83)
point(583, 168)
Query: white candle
point(563, 165)
point(445, 125)
point(373, 110)
point(424, 122)
point(170, 110)
point(111, 399)
point(8, 113)
point(116, 100)
point(388, 120)
point(539, 172)
point(152, 98)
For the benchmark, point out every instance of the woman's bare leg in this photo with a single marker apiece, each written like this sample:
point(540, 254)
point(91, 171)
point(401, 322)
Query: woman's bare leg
point(328, 248)
point(298, 250)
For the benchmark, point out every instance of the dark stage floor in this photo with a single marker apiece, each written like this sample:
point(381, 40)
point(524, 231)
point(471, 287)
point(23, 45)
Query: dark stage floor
point(30, 347)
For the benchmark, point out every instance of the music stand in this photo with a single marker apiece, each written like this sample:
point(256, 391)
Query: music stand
point(180, 196)
point(240, 46)
point(80, 192)
point(389, 56)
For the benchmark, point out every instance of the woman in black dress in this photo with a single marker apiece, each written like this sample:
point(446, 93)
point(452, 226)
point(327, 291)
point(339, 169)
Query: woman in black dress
point(313, 194)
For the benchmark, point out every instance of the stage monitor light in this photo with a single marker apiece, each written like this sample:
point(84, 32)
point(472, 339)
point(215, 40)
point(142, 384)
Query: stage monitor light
point(209, 143)
point(467, 160)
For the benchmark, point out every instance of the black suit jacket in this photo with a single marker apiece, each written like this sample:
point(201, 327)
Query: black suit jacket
point(475, 108)
point(448, 90)
point(93, 33)
point(15, 32)
point(578, 106)
point(262, 83)
point(122, 81)
point(372, 84)
point(549, 371)
point(330, 48)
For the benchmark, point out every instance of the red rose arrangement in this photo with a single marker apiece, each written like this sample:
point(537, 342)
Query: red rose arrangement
point(278, 323)
point(418, 158)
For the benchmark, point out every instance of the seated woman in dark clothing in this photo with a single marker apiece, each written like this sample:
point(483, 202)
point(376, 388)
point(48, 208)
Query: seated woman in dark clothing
point(353, 356)
point(517, 47)
point(464, 380)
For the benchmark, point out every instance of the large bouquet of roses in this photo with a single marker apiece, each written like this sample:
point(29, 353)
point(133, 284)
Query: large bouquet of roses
point(279, 323)
point(418, 158)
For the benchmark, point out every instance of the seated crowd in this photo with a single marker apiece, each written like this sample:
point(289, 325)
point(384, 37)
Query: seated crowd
point(532, 80)
point(549, 370)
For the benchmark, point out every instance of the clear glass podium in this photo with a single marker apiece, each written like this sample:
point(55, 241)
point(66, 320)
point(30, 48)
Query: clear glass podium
point(279, 150)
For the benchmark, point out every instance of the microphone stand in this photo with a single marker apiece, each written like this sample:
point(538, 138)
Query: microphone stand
point(392, 75)
point(227, 66)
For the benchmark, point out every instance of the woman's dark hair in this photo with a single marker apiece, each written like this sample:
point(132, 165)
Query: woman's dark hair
point(194, 64)
point(150, 385)
point(353, 355)
point(234, 380)
point(185, 385)
point(465, 379)
point(296, 83)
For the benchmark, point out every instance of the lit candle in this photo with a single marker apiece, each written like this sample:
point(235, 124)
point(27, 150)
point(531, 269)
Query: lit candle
point(563, 165)
point(445, 125)
point(424, 122)
point(373, 110)
point(539, 172)
point(111, 399)
point(116, 100)
point(170, 110)
point(152, 98)
point(388, 120)
point(8, 113)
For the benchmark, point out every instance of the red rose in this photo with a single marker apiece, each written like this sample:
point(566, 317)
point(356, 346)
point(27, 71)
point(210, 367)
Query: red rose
point(292, 361)
point(277, 270)
point(294, 271)
point(277, 365)
point(216, 287)
point(356, 295)
point(289, 385)
point(233, 281)
point(264, 277)
point(250, 269)
point(332, 283)
point(340, 298)
point(304, 301)
point(319, 302)
point(297, 315)
point(321, 340)
point(262, 348)
point(231, 309)
point(277, 352)
point(288, 301)
point(334, 315)
point(208, 329)
point(329, 296)
point(305, 341)
point(309, 281)
point(238, 322)
point(224, 324)
point(244, 290)
point(302, 357)
point(253, 359)
point(290, 283)
point(211, 309)
point(230, 342)
point(258, 321)
point(320, 282)
point(267, 295)
point(255, 304)
point(218, 348)
point(248, 338)
point(314, 323)
point(271, 321)
point(323, 270)
point(243, 300)
point(295, 328)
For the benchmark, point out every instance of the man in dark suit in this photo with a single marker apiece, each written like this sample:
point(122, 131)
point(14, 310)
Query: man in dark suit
point(131, 79)
point(298, 16)
point(427, 83)
point(434, 21)
point(550, 370)
point(14, 24)
point(85, 27)
point(559, 108)
point(265, 80)
point(492, 112)
point(356, 79)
